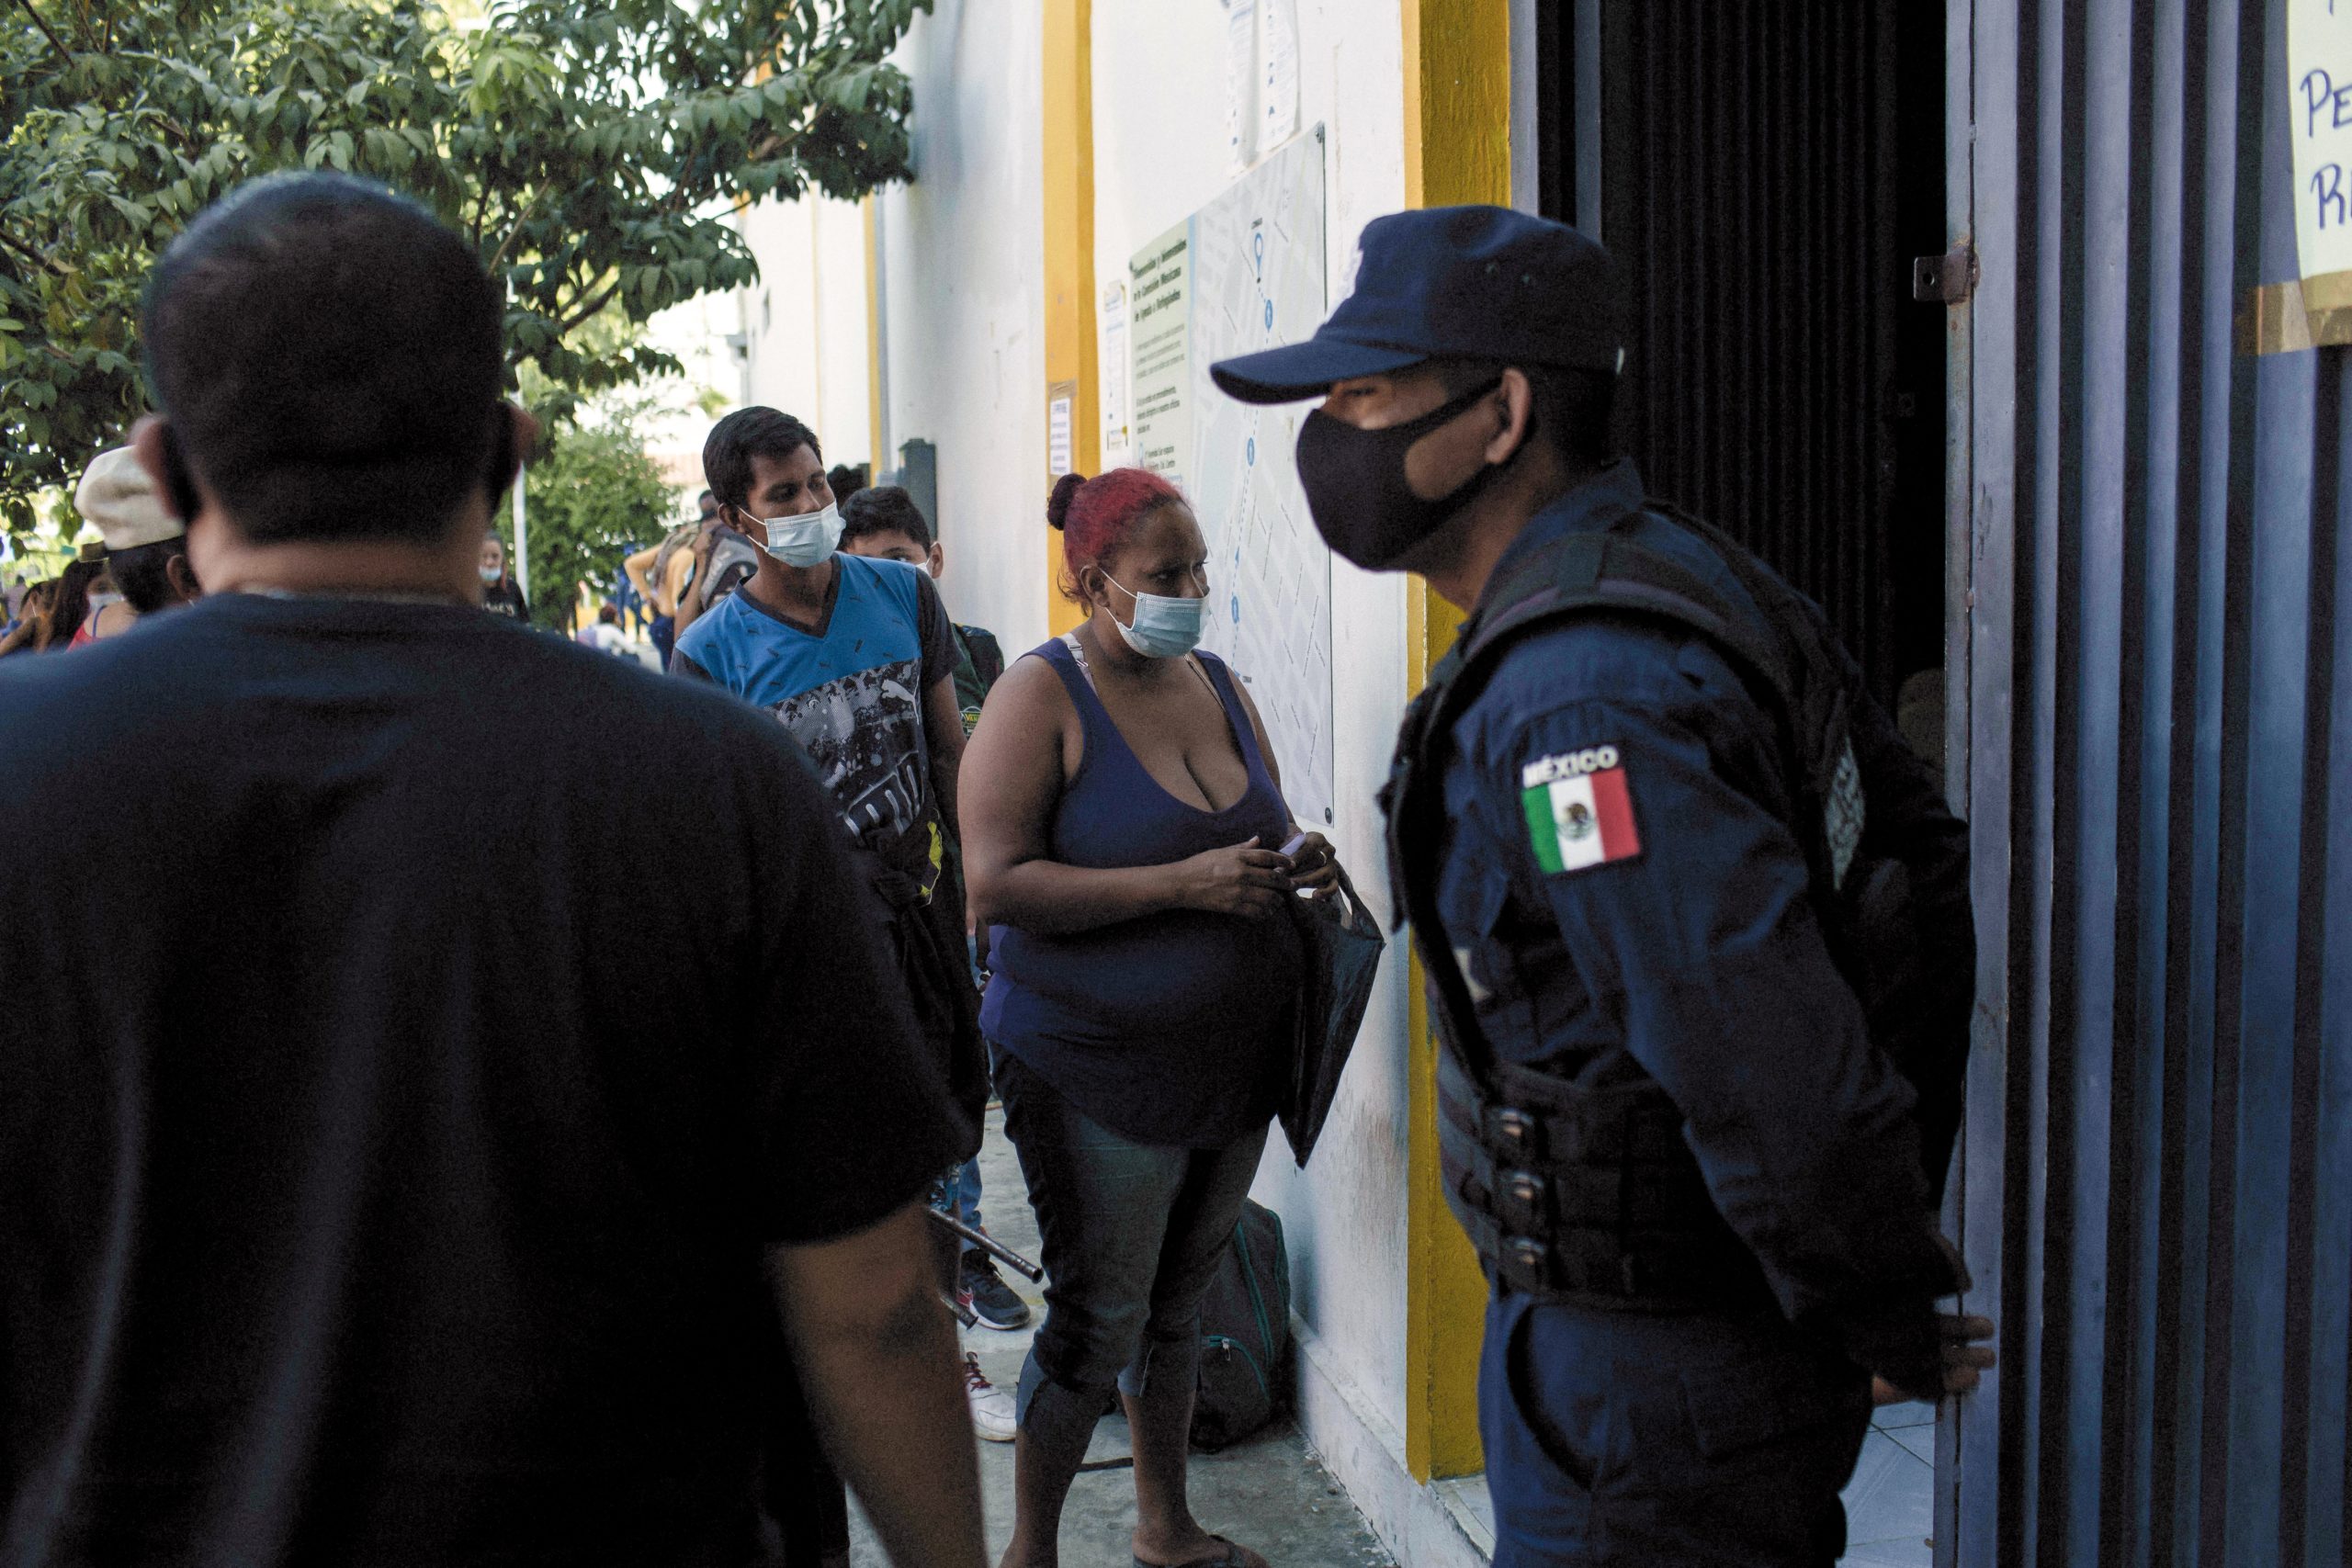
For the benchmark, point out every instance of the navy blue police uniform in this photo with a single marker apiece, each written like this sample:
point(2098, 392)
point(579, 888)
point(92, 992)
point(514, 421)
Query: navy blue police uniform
point(1703, 1021)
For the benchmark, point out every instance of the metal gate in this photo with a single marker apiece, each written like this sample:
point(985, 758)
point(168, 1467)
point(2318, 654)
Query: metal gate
point(1764, 171)
point(2157, 1186)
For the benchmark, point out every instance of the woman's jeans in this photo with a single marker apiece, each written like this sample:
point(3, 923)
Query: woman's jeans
point(1131, 1235)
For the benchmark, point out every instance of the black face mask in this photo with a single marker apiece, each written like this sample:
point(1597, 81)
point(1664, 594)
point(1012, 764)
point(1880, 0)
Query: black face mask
point(1355, 483)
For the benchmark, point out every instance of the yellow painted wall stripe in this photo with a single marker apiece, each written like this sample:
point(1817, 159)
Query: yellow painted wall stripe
point(1069, 122)
point(1457, 149)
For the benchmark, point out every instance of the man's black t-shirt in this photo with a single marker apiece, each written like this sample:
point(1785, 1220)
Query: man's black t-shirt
point(389, 1131)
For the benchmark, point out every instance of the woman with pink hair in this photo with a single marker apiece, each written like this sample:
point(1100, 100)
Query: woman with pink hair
point(1125, 837)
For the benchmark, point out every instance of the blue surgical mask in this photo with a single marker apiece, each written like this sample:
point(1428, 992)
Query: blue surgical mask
point(1163, 627)
point(804, 540)
point(491, 574)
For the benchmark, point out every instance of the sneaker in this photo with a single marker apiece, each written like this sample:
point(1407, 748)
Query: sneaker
point(979, 1287)
point(991, 1406)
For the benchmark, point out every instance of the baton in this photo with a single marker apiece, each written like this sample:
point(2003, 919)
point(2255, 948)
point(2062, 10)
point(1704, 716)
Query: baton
point(1030, 1271)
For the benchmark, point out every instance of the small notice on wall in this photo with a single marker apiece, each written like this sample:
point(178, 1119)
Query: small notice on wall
point(2319, 90)
point(1118, 439)
point(1059, 399)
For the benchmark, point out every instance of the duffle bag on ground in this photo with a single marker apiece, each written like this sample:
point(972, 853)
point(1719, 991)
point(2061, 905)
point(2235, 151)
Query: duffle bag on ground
point(1244, 1335)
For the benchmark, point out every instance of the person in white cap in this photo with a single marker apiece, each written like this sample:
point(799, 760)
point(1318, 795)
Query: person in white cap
point(146, 545)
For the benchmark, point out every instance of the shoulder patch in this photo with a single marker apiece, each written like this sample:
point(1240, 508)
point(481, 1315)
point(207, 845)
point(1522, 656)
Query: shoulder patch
point(1579, 810)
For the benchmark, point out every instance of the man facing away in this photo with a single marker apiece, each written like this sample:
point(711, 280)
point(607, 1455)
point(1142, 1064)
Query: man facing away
point(360, 1203)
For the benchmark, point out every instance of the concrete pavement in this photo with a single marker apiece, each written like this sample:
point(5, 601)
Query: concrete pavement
point(1268, 1493)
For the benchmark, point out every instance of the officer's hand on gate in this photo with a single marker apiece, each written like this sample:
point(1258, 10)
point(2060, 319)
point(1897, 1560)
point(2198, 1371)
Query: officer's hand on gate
point(1966, 1359)
point(1315, 869)
point(1242, 880)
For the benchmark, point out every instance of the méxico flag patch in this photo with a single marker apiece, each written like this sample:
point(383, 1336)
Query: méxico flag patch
point(1579, 811)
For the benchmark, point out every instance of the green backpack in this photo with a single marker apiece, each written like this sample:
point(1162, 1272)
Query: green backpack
point(1244, 1379)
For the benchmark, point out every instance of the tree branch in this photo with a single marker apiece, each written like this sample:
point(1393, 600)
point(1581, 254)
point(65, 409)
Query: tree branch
point(57, 268)
point(500, 255)
point(54, 42)
point(596, 304)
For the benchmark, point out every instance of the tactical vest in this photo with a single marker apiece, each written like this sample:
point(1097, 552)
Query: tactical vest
point(1593, 1195)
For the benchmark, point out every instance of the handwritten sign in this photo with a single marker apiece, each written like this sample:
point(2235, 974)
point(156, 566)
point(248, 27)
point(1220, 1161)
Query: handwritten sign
point(2319, 90)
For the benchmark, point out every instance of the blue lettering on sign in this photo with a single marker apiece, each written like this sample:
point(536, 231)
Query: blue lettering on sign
point(2320, 91)
point(1237, 609)
point(1270, 312)
point(1249, 450)
point(2328, 191)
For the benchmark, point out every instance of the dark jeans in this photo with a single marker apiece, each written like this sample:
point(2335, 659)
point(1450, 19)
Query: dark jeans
point(1131, 1234)
point(1672, 1442)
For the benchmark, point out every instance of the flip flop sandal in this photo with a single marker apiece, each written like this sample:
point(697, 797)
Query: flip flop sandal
point(1229, 1557)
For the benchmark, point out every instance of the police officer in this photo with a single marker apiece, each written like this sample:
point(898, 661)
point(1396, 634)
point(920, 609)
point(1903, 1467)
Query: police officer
point(1694, 923)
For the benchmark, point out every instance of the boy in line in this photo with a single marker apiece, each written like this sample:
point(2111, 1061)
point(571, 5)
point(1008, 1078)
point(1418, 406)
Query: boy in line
point(883, 523)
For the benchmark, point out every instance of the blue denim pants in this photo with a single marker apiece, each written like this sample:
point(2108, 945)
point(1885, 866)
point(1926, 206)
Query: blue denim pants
point(1689, 1442)
point(1131, 1234)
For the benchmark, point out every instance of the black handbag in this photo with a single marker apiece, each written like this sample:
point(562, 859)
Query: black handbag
point(1343, 944)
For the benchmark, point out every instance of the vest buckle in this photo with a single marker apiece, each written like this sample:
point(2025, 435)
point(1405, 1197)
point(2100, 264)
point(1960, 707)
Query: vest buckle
point(1526, 1264)
point(1522, 1203)
point(1518, 1134)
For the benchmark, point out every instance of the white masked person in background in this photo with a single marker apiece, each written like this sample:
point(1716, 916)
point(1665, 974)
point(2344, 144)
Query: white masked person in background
point(500, 596)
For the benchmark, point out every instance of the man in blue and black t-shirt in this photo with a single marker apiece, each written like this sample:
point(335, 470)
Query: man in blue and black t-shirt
point(856, 658)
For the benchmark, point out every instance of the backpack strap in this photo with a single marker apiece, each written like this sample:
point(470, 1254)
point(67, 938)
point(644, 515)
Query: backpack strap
point(1601, 571)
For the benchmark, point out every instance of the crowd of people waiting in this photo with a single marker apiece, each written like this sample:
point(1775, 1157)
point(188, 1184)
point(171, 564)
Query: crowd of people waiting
point(453, 1232)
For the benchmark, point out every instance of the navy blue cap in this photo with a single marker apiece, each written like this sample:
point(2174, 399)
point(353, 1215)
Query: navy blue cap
point(1453, 283)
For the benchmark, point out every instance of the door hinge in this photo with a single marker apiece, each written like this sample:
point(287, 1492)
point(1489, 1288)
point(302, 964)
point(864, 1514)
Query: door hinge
point(1946, 279)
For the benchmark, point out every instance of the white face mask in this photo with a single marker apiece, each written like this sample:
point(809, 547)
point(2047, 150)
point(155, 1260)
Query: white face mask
point(491, 574)
point(1164, 628)
point(804, 540)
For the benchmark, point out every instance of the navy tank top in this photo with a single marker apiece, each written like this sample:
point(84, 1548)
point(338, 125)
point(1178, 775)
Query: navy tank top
point(1172, 1027)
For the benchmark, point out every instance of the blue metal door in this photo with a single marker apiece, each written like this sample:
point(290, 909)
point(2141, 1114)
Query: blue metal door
point(2157, 1182)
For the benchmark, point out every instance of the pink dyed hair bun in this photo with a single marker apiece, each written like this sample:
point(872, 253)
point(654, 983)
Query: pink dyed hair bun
point(1097, 516)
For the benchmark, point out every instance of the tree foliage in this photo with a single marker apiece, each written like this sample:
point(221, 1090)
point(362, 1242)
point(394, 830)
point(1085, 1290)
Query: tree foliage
point(591, 153)
point(590, 496)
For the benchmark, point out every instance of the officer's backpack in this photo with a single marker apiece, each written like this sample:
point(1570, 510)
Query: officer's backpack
point(1550, 1227)
point(1244, 1379)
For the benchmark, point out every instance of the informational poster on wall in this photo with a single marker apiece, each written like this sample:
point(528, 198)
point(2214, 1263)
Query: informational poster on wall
point(1159, 301)
point(1245, 273)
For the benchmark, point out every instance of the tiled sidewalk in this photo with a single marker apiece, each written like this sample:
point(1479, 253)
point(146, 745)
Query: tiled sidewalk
point(1890, 1504)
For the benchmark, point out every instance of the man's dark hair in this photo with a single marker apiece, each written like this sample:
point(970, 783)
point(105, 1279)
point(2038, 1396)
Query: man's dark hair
point(846, 481)
point(884, 509)
point(143, 573)
point(329, 357)
point(744, 434)
point(1575, 409)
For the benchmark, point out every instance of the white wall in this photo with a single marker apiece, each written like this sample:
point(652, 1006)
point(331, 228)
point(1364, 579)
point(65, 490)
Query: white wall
point(806, 319)
point(963, 304)
point(1160, 152)
point(962, 253)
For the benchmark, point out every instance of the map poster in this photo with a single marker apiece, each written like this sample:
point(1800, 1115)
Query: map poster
point(1246, 273)
point(1159, 303)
